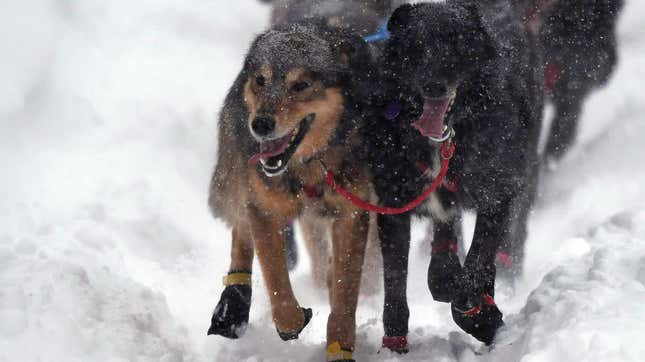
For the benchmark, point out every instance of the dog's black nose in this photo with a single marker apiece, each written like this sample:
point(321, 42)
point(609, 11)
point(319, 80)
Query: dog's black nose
point(435, 90)
point(263, 125)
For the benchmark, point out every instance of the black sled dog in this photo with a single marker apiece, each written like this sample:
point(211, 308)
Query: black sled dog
point(462, 65)
point(579, 39)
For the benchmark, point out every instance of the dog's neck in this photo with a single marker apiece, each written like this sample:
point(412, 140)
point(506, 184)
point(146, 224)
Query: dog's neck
point(312, 172)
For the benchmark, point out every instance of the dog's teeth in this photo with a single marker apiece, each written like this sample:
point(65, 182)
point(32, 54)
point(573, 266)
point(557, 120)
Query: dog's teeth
point(452, 103)
point(266, 166)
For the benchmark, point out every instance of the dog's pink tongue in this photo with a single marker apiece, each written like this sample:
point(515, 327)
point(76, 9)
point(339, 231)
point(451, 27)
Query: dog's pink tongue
point(271, 148)
point(431, 122)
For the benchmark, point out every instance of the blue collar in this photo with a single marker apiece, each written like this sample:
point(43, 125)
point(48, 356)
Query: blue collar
point(381, 35)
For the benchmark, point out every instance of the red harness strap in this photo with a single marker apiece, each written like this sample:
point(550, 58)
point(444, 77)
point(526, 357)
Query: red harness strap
point(447, 150)
point(488, 300)
point(551, 75)
point(313, 191)
point(450, 185)
point(504, 259)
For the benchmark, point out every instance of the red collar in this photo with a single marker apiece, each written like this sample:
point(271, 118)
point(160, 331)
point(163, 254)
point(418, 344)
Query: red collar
point(314, 191)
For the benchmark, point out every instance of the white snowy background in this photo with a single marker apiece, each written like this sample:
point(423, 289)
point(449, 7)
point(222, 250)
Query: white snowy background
point(108, 251)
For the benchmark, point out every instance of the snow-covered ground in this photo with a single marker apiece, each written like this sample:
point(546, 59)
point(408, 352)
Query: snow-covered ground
point(108, 252)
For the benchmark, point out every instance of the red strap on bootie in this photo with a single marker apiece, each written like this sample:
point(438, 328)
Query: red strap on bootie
point(397, 343)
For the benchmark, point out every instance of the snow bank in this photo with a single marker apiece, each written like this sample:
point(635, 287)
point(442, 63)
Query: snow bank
point(60, 310)
point(590, 308)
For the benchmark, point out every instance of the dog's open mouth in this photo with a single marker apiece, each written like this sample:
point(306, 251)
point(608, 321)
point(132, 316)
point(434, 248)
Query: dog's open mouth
point(275, 154)
point(432, 122)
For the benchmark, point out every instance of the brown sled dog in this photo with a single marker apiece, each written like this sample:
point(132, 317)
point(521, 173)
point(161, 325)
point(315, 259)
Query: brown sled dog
point(363, 17)
point(294, 111)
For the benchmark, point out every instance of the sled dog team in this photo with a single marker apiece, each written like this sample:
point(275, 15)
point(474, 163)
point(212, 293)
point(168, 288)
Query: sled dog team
point(349, 129)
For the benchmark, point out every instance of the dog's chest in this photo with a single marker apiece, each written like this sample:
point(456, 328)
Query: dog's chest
point(311, 192)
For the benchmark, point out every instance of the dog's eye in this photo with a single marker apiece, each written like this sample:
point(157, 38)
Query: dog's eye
point(260, 81)
point(300, 86)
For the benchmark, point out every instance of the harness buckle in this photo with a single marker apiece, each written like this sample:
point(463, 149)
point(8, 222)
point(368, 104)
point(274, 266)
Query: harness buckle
point(448, 133)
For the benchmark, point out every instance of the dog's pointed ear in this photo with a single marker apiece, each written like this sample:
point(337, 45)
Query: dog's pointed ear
point(401, 17)
point(473, 12)
point(479, 43)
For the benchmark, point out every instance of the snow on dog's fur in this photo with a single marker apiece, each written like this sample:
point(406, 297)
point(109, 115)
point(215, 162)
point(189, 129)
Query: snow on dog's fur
point(464, 63)
point(295, 106)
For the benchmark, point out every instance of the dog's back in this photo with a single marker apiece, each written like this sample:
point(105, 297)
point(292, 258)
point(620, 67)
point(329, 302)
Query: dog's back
point(580, 35)
point(227, 191)
point(580, 48)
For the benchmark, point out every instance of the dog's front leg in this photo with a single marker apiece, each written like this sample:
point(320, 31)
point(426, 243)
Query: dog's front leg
point(231, 315)
point(349, 237)
point(510, 255)
point(445, 269)
point(394, 232)
point(473, 308)
point(568, 107)
point(266, 229)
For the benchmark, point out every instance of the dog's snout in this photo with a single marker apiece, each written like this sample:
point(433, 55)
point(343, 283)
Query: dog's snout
point(263, 125)
point(435, 89)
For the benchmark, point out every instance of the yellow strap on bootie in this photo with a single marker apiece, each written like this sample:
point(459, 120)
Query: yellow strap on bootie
point(336, 353)
point(237, 279)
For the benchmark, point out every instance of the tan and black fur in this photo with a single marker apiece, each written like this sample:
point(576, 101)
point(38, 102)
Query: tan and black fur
point(362, 17)
point(306, 79)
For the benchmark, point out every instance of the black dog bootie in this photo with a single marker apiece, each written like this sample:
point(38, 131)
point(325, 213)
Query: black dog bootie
point(288, 336)
point(478, 317)
point(231, 316)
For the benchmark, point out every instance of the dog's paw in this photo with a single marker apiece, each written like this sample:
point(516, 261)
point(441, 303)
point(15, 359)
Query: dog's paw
point(443, 273)
point(335, 353)
point(396, 344)
point(231, 316)
point(288, 336)
point(395, 318)
point(478, 316)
